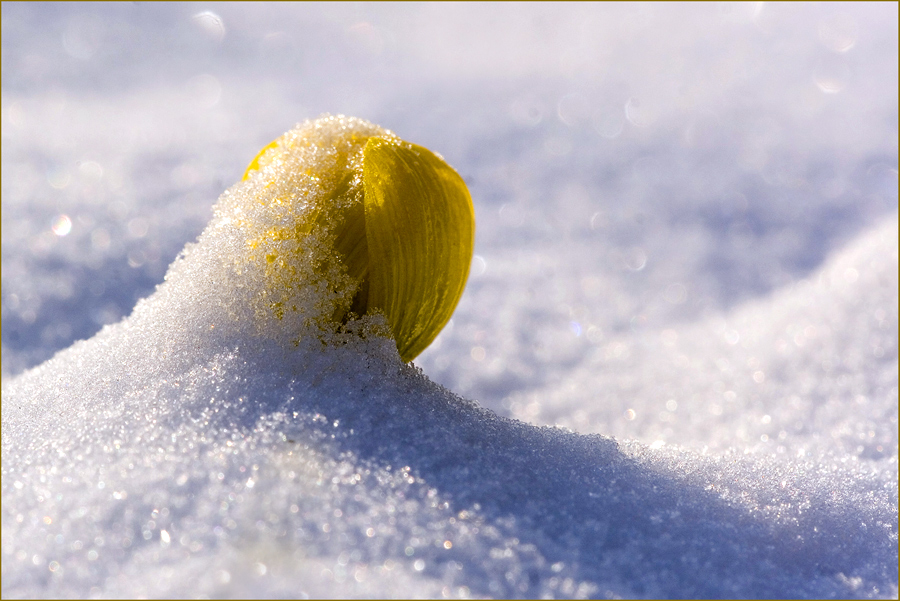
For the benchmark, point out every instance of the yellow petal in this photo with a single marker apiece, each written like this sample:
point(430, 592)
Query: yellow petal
point(259, 160)
point(399, 220)
point(420, 232)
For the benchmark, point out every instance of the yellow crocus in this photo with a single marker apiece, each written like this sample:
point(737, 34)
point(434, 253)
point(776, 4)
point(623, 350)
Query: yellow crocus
point(401, 223)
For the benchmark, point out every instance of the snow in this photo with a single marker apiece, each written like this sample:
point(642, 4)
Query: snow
point(673, 372)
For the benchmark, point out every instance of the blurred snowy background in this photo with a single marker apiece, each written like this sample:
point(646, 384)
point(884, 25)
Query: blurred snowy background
point(686, 213)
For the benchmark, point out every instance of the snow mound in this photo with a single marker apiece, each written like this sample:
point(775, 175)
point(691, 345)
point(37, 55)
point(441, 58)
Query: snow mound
point(165, 457)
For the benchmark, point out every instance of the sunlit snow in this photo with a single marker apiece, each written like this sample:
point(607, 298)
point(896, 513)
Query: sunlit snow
point(673, 373)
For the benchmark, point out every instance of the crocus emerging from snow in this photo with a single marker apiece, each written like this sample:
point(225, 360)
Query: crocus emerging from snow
point(399, 218)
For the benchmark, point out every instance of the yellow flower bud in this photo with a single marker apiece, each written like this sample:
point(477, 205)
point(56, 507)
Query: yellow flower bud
point(398, 218)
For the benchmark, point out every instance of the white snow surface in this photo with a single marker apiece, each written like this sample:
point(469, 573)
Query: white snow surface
point(673, 373)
